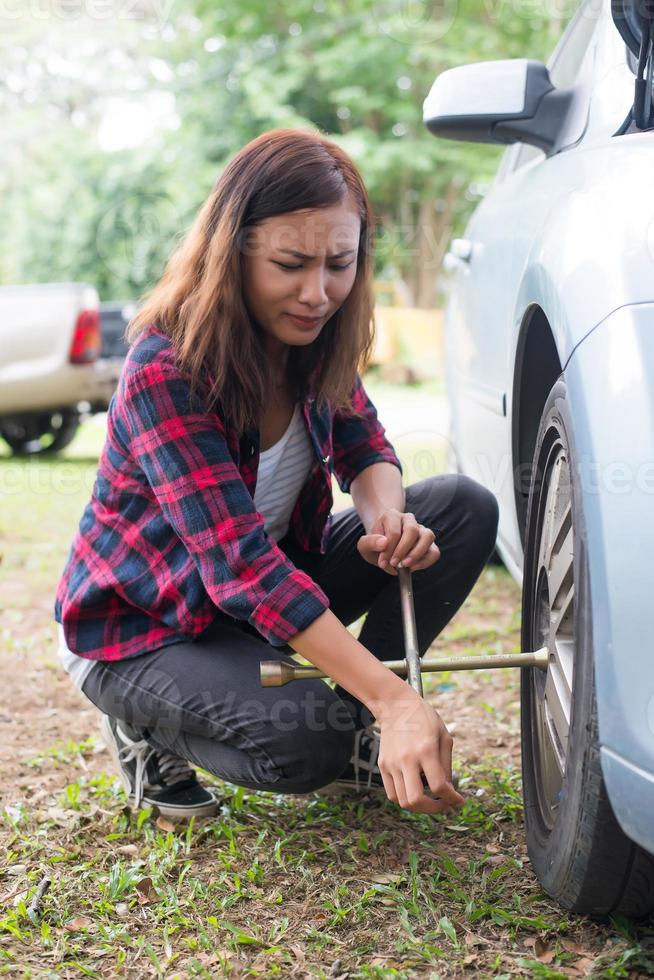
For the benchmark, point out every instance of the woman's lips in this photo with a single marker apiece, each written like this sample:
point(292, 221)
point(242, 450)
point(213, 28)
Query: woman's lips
point(302, 322)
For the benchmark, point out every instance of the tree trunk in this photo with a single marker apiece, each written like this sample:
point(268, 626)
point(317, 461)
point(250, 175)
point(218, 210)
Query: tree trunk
point(419, 242)
point(436, 230)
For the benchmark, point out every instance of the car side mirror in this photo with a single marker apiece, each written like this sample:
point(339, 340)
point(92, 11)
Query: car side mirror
point(497, 102)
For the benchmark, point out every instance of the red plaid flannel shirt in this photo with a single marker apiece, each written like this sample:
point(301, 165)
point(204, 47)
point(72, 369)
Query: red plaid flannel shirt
point(171, 533)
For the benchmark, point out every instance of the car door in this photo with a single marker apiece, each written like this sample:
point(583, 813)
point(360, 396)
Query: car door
point(488, 264)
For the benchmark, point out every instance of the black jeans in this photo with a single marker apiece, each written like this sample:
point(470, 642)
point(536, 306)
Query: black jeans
point(203, 700)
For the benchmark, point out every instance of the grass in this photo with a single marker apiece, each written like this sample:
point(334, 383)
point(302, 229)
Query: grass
point(274, 885)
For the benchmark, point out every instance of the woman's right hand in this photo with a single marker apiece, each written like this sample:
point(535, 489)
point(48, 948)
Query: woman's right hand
point(413, 737)
point(413, 741)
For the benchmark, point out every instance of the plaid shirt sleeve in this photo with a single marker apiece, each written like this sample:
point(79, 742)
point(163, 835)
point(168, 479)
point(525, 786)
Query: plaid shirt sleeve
point(359, 441)
point(184, 454)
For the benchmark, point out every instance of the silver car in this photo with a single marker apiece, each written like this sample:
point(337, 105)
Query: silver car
point(549, 334)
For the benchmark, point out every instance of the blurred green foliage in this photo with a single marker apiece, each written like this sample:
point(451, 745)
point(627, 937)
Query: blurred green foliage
point(79, 206)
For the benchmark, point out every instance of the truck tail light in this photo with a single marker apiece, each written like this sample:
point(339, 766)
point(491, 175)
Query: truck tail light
point(87, 340)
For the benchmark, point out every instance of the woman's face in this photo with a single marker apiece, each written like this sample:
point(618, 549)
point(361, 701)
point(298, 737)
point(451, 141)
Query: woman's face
point(302, 263)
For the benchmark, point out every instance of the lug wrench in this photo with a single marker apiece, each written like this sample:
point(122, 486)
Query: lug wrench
point(276, 673)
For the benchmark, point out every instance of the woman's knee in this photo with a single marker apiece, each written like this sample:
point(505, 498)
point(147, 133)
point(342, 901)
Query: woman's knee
point(439, 500)
point(481, 503)
point(317, 760)
point(313, 739)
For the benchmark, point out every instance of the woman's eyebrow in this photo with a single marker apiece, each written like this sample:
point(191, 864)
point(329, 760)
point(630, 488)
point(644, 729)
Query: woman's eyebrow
point(301, 255)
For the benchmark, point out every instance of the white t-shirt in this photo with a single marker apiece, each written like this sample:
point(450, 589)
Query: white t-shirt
point(283, 468)
point(76, 666)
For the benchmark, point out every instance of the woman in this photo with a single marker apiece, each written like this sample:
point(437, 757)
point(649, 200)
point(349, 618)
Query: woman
point(208, 543)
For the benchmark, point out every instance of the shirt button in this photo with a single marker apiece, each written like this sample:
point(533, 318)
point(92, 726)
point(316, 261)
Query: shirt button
point(251, 450)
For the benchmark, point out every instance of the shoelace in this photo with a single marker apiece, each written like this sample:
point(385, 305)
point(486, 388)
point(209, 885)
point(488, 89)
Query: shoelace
point(371, 737)
point(140, 753)
point(171, 767)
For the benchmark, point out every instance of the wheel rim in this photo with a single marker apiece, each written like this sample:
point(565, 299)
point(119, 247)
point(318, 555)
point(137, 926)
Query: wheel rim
point(553, 624)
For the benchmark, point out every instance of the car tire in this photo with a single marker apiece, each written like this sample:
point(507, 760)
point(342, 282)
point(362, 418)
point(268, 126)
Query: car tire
point(39, 434)
point(577, 849)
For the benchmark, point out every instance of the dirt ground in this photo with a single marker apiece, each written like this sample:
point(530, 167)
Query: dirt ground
point(42, 714)
point(41, 708)
point(273, 886)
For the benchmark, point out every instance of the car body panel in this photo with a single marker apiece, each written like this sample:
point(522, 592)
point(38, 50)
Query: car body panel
point(611, 393)
point(572, 235)
point(47, 386)
point(37, 325)
point(570, 206)
point(634, 789)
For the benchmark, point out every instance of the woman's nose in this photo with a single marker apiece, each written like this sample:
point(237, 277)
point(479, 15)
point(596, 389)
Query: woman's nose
point(312, 288)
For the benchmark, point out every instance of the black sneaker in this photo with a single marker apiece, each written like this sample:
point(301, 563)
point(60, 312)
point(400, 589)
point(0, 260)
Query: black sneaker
point(155, 778)
point(362, 774)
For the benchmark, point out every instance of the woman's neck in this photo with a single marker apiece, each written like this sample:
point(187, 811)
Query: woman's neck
point(279, 367)
point(278, 357)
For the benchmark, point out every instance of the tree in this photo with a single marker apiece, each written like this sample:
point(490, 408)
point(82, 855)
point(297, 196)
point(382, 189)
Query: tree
point(357, 72)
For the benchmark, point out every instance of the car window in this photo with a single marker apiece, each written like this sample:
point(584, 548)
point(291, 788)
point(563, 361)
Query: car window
point(613, 88)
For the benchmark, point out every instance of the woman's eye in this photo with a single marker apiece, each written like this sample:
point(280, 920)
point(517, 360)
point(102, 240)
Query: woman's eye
point(282, 265)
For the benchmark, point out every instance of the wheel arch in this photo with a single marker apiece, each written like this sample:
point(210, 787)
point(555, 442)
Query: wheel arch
point(537, 366)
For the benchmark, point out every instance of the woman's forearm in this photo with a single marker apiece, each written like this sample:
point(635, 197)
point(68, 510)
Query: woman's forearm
point(331, 647)
point(375, 489)
point(327, 643)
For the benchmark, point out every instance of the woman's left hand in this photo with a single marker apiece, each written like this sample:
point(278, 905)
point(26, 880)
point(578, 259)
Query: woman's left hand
point(397, 537)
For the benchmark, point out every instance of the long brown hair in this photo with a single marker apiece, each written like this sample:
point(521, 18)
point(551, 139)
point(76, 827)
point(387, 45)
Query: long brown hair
point(199, 300)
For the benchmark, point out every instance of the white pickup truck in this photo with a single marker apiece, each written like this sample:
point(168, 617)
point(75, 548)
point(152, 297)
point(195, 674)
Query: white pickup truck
point(52, 373)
